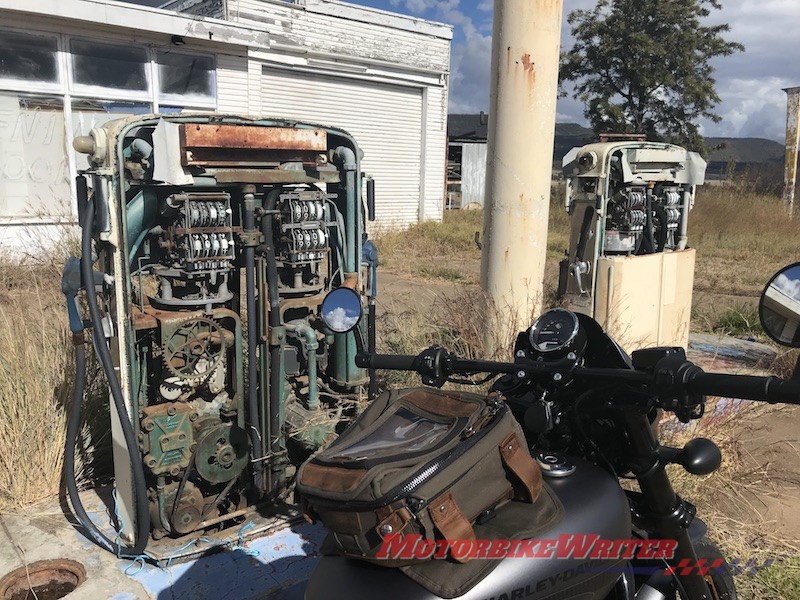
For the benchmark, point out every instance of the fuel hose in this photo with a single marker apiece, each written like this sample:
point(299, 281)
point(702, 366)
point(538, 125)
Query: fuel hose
point(73, 425)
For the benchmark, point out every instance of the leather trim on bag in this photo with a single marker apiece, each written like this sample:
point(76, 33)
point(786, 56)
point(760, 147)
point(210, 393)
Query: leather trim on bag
point(519, 461)
point(449, 520)
point(334, 479)
point(441, 404)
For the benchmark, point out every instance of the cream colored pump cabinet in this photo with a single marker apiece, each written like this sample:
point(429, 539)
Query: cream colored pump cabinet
point(629, 264)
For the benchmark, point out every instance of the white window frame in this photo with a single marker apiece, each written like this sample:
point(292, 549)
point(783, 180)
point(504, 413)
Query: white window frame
point(36, 87)
point(102, 92)
point(190, 100)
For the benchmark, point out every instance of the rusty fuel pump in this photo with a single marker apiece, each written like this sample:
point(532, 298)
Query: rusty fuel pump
point(629, 264)
point(209, 245)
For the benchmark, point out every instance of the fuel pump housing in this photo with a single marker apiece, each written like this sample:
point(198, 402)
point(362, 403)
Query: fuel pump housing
point(629, 264)
point(216, 239)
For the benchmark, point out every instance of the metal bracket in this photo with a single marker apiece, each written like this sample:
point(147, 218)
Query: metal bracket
point(249, 238)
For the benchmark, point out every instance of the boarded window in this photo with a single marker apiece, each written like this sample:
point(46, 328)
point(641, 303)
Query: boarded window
point(28, 57)
point(186, 75)
point(109, 66)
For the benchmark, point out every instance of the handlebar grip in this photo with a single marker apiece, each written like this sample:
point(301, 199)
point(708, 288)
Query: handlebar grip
point(397, 362)
point(749, 387)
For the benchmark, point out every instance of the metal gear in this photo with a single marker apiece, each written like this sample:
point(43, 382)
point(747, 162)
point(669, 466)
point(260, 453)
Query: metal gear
point(195, 349)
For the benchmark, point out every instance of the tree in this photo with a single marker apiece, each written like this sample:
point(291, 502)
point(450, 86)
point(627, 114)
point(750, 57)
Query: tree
point(644, 66)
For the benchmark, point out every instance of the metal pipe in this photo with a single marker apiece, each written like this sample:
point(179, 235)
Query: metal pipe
point(684, 225)
point(276, 339)
point(522, 116)
point(311, 345)
point(345, 159)
point(792, 141)
point(248, 225)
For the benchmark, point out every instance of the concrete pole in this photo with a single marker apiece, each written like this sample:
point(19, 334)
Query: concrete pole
point(522, 115)
point(792, 141)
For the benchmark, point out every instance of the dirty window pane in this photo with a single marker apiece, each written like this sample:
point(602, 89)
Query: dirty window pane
point(34, 175)
point(186, 75)
point(27, 57)
point(109, 66)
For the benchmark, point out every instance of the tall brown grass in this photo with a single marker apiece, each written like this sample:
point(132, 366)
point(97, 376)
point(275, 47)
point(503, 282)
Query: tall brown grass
point(742, 237)
point(36, 382)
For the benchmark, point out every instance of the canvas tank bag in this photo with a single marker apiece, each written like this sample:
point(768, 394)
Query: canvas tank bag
point(421, 461)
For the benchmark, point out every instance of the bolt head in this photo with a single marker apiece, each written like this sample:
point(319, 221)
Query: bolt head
point(386, 529)
point(520, 374)
point(520, 353)
point(557, 376)
point(571, 356)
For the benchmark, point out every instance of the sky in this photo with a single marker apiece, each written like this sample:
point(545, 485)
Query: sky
point(750, 83)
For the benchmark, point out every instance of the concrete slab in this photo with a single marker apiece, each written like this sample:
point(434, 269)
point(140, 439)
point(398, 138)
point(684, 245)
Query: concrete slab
point(273, 566)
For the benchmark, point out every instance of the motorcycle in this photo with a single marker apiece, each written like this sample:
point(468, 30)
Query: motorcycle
point(589, 411)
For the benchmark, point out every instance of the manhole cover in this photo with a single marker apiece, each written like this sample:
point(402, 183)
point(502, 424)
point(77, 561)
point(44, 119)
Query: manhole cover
point(47, 579)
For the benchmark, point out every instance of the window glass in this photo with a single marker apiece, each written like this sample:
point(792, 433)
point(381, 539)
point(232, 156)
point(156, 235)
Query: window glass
point(186, 75)
point(28, 57)
point(88, 114)
point(109, 66)
point(34, 175)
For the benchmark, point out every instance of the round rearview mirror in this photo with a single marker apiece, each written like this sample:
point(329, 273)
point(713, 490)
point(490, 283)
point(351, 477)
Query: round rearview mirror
point(341, 310)
point(779, 308)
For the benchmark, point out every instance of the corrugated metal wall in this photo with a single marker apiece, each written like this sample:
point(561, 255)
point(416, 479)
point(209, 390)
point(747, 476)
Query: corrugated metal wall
point(473, 173)
point(385, 120)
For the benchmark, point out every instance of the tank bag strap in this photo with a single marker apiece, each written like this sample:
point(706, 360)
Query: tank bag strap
point(449, 520)
point(522, 466)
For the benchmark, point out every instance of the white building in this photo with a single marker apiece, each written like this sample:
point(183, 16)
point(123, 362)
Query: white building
point(69, 65)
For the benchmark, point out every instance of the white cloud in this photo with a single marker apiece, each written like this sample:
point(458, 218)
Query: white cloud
point(340, 320)
point(790, 287)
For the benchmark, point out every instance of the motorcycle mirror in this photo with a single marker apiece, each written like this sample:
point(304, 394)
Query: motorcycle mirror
point(779, 307)
point(341, 310)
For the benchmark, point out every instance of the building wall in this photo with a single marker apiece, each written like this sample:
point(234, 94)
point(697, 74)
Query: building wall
point(397, 67)
point(473, 173)
point(361, 33)
point(380, 76)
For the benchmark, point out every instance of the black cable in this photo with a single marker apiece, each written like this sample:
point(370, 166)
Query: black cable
point(103, 353)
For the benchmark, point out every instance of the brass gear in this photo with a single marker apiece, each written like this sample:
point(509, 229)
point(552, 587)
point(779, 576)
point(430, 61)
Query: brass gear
point(195, 349)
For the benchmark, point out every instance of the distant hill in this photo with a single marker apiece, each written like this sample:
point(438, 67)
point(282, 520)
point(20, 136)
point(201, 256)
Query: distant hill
point(742, 151)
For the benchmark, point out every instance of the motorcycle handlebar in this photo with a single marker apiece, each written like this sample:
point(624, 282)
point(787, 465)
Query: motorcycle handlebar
point(748, 387)
point(395, 362)
point(436, 364)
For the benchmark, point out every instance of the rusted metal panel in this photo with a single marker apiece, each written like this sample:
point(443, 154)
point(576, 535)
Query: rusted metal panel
point(792, 141)
point(200, 135)
point(244, 175)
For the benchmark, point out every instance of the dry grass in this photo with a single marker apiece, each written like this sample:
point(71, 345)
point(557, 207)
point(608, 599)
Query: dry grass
point(742, 238)
point(36, 382)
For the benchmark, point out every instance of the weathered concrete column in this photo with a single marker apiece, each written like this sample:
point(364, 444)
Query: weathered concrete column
point(522, 114)
point(792, 141)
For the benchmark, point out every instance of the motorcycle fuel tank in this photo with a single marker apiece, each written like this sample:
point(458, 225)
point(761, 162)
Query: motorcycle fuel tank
point(593, 504)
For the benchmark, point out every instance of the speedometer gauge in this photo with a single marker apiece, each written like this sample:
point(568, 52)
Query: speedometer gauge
point(555, 330)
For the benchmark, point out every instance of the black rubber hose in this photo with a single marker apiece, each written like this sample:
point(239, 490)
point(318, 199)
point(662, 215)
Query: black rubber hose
point(103, 353)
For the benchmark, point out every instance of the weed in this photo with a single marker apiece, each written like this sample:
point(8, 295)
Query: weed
point(446, 273)
point(739, 321)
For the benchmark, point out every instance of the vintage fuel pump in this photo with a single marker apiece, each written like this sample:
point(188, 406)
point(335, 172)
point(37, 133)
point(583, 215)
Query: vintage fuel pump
point(628, 263)
point(209, 245)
